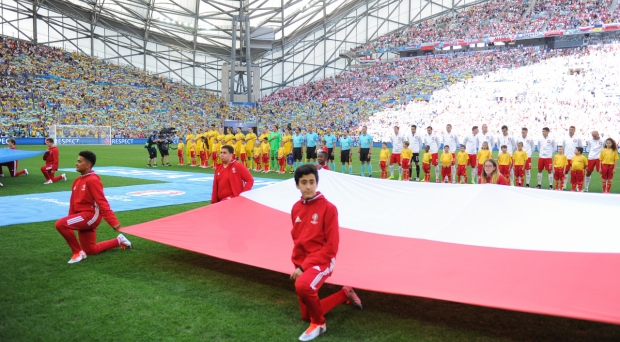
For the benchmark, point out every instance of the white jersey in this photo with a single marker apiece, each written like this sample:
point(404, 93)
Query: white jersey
point(488, 137)
point(397, 142)
point(415, 142)
point(471, 144)
point(507, 140)
point(594, 148)
point(570, 143)
point(528, 145)
point(452, 140)
point(546, 147)
point(432, 140)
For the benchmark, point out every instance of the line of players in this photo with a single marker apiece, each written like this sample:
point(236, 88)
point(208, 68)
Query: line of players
point(272, 151)
point(515, 159)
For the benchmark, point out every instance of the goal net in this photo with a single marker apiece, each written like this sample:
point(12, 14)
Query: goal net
point(81, 134)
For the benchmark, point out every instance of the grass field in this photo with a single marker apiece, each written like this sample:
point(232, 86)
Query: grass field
point(160, 293)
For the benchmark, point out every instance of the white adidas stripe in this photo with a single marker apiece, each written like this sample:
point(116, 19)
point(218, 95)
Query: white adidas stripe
point(96, 216)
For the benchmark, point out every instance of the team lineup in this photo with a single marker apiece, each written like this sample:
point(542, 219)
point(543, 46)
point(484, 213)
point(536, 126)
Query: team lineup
point(561, 158)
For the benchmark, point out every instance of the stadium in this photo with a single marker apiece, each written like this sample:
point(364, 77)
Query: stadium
point(406, 108)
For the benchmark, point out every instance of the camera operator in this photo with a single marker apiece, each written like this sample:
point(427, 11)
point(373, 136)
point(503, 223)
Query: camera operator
point(163, 145)
point(150, 147)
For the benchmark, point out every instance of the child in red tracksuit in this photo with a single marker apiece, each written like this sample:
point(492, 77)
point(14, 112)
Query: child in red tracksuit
point(51, 163)
point(315, 237)
point(87, 207)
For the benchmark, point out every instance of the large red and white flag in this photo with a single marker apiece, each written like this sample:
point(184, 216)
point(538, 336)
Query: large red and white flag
point(538, 251)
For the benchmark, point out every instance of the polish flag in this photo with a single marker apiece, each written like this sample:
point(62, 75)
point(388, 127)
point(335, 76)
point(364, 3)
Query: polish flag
point(545, 252)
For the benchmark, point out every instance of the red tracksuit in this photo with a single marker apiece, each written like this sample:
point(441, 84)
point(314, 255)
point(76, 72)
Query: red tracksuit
point(315, 237)
point(88, 206)
point(51, 164)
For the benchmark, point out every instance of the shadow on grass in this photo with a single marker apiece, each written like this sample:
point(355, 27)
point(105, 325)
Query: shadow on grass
point(490, 322)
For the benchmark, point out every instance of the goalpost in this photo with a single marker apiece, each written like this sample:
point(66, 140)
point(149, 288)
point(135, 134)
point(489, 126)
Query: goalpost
point(81, 134)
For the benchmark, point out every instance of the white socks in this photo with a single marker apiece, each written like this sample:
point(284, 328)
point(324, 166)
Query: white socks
point(474, 174)
point(453, 173)
point(400, 172)
point(566, 180)
point(586, 184)
point(512, 176)
point(550, 180)
point(528, 176)
point(437, 173)
point(392, 170)
point(539, 177)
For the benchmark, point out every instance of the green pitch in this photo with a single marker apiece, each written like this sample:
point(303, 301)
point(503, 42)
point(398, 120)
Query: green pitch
point(160, 293)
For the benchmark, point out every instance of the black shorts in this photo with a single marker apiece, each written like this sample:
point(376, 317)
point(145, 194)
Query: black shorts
point(416, 158)
point(364, 157)
point(152, 153)
point(311, 152)
point(297, 155)
point(330, 153)
point(163, 153)
point(345, 156)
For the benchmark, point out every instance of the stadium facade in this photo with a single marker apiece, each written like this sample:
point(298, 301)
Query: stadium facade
point(292, 41)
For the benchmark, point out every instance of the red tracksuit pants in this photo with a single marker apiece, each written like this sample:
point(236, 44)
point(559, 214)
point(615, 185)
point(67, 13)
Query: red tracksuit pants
point(307, 287)
point(48, 173)
point(86, 225)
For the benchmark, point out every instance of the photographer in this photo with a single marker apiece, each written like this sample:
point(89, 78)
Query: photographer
point(163, 145)
point(151, 141)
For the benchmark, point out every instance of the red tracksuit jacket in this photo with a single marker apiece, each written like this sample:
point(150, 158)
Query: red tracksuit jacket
point(87, 196)
point(315, 232)
point(51, 157)
point(240, 179)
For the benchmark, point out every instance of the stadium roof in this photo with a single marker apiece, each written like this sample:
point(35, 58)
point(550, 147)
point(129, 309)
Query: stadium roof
point(205, 25)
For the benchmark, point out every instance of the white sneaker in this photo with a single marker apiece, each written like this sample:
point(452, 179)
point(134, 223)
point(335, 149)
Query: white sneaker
point(353, 298)
point(26, 172)
point(77, 257)
point(123, 242)
point(1, 185)
point(313, 331)
point(48, 182)
point(64, 177)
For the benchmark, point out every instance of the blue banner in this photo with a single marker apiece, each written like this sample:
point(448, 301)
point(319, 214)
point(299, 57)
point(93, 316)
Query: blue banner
point(24, 141)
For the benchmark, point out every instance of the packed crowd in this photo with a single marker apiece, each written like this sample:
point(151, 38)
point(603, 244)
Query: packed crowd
point(41, 85)
point(499, 18)
point(541, 94)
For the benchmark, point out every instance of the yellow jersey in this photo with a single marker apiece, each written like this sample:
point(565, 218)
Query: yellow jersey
point(228, 139)
point(212, 135)
point(243, 149)
point(216, 147)
point(462, 158)
point(608, 156)
point(265, 147)
point(406, 153)
point(504, 159)
point(180, 146)
point(288, 143)
point(220, 138)
point(240, 138)
point(579, 162)
point(384, 155)
point(426, 159)
point(520, 157)
point(263, 136)
point(483, 155)
point(446, 159)
point(560, 160)
point(250, 138)
point(281, 152)
point(257, 151)
point(199, 146)
point(190, 139)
